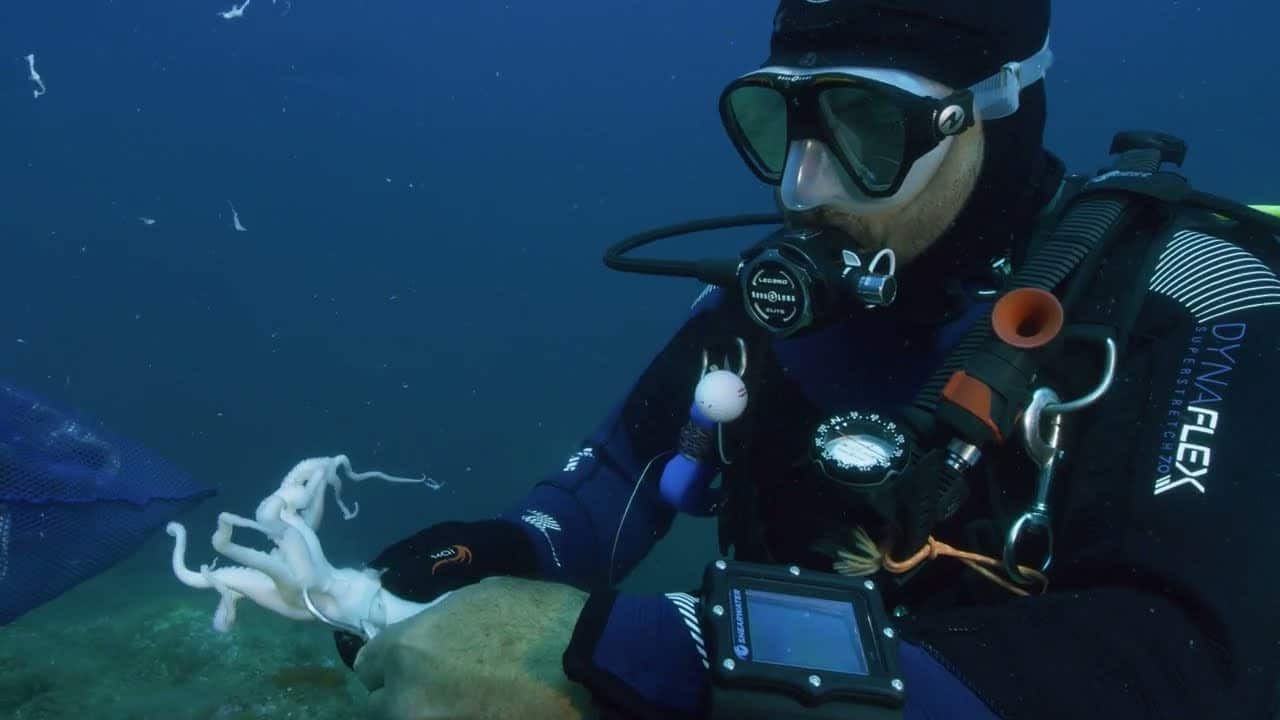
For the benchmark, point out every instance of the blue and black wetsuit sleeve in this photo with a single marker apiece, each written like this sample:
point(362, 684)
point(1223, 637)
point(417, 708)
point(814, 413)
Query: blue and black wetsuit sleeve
point(1161, 603)
point(594, 519)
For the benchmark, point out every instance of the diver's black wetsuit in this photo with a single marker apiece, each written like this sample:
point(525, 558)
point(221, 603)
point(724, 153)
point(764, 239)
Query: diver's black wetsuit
point(1159, 604)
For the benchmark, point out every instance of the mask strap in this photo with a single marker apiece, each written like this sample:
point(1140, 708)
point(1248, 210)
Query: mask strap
point(997, 96)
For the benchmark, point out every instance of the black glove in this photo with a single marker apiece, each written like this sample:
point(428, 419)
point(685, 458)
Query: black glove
point(445, 557)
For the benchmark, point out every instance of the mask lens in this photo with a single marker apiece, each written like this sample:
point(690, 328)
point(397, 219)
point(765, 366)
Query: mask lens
point(870, 133)
point(759, 115)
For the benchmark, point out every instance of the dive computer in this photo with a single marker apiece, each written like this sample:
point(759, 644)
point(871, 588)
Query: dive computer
point(794, 644)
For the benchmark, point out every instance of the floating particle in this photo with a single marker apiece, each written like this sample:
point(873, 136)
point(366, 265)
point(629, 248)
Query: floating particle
point(235, 11)
point(235, 219)
point(35, 76)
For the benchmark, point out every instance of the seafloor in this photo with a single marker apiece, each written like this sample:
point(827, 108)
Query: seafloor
point(134, 644)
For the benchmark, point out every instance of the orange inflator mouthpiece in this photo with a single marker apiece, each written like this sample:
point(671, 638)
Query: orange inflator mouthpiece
point(1027, 318)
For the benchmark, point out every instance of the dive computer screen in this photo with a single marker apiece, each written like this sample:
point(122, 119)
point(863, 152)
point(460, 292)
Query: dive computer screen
point(805, 632)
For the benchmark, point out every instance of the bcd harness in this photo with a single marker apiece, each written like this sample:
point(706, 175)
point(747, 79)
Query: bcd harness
point(991, 389)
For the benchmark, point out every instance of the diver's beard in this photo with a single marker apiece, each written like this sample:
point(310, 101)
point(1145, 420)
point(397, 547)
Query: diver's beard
point(912, 229)
point(873, 233)
point(860, 229)
point(909, 234)
point(859, 237)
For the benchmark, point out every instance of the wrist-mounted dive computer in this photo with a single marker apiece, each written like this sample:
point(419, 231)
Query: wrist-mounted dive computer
point(793, 644)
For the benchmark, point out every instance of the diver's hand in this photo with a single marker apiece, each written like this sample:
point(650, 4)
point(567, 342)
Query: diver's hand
point(490, 650)
point(445, 557)
point(450, 555)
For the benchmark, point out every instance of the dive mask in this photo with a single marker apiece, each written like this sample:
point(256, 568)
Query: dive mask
point(864, 139)
point(874, 130)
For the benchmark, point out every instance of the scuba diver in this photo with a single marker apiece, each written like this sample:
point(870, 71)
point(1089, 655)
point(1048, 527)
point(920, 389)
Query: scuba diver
point(984, 439)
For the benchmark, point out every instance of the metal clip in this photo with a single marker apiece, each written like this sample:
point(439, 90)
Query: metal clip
point(708, 366)
point(742, 360)
point(1094, 395)
point(1045, 452)
point(365, 633)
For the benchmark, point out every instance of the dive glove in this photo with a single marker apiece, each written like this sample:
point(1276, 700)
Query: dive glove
point(445, 557)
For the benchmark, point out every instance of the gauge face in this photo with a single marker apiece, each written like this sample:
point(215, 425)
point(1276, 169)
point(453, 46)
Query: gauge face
point(860, 449)
point(860, 452)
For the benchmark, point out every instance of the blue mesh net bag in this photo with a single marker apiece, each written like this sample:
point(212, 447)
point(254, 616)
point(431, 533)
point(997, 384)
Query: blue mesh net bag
point(74, 499)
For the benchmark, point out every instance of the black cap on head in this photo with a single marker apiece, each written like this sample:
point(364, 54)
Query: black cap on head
point(956, 42)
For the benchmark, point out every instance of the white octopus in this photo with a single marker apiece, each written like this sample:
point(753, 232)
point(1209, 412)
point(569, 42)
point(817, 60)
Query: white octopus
point(295, 579)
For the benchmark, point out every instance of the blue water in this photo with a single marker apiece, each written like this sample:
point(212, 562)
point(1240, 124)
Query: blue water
point(426, 189)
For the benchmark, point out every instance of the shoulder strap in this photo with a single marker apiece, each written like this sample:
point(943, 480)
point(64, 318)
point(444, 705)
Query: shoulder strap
point(974, 399)
point(1095, 216)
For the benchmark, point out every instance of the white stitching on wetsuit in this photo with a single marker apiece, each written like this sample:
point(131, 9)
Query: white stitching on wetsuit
point(687, 606)
point(544, 522)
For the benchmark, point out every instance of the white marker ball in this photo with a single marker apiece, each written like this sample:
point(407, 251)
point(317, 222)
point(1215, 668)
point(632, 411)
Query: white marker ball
point(721, 396)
